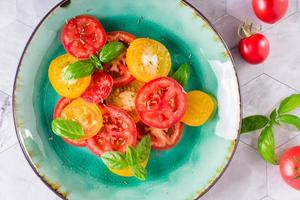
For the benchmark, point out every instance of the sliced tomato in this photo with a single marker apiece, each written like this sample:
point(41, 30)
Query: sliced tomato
point(118, 132)
point(148, 59)
point(161, 103)
point(99, 88)
point(118, 68)
point(61, 104)
point(77, 143)
point(161, 139)
point(124, 97)
point(71, 89)
point(83, 36)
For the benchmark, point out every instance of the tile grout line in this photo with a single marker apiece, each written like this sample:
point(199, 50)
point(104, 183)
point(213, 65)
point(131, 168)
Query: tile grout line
point(281, 82)
point(13, 145)
point(248, 145)
point(251, 80)
point(286, 141)
point(28, 26)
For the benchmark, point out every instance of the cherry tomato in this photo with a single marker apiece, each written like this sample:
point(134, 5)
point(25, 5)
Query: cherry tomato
point(270, 11)
point(161, 102)
point(100, 87)
point(148, 59)
point(290, 167)
point(118, 68)
point(161, 139)
point(255, 48)
point(83, 36)
point(124, 97)
point(200, 108)
point(61, 104)
point(88, 115)
point(118, 132)
point(70, 89)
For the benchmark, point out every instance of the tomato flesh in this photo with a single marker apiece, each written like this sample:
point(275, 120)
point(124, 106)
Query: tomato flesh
point(290, 167)
point(118, 68)
point(161, 103)
point(83, 36)
point(118, 132)
point(100, 87)
point(161, 139)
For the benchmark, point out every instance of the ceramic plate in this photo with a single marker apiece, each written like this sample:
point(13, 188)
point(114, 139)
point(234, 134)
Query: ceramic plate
point(184, 172)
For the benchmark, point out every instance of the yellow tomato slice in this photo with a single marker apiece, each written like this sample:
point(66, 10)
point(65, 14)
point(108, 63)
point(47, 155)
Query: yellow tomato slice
point(148, 59)
point(127, 171)
point(72, 88)
point(88, 115)
point(124, 97)
point(200, 108)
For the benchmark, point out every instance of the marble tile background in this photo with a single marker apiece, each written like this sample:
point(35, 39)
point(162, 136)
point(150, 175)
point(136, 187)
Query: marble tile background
point(262, 87)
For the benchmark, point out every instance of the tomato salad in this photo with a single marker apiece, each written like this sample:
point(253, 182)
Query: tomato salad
point(119, 98)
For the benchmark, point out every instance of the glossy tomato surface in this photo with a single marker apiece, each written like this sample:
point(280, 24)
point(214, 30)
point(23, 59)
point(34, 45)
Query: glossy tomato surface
point(290, 167)
point(270, 11)
point(118, 132)
point(99, 88)
point(118, 68)
point(83, 36)
point(161, 103)
point(161, 139)
point(254, 49)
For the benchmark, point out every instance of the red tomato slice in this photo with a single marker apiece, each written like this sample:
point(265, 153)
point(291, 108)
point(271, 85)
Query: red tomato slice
point(161, 103)
point(61, 104)
point(161, 139)
point(83, 36)
point(118, 68)
point(118, 132)
point(99, 88)
point(77, 143)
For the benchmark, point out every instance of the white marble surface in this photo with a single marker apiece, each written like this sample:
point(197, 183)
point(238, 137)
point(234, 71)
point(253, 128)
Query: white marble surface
point(262, 87)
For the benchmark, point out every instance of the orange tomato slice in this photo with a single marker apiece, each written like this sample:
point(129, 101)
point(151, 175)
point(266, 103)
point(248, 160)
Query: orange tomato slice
point(148, 59)
point(88, 115)
point(200, 108)
point(72, 88)
point(127, 171)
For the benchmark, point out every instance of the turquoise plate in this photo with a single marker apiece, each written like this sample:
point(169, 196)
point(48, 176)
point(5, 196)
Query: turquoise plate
point(184, 172)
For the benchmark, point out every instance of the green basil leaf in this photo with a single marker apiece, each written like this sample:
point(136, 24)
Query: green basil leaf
point(289, 104)
point(114, 160)
point(182, 74)
point(67, 129)
point(143, 149)
point(266, 145)
point(253, 123)
point(290, 119)
point(79, 69)
point(95, 60)
point(131, 156)
point(139, 172)
point(273, 117)
point(111, 51)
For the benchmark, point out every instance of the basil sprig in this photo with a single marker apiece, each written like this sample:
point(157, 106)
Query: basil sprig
point(85, 68)
point(182, 74)
point(266, 140)
point(67, 129)
point(132, 158)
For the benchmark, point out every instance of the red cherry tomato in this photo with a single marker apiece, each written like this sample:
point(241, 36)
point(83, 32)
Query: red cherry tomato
point(61, 104)
point(161, 139)
point(255, 48)
point(83, 36)
point(118, 132)
point(99, 88)
point(290, 167)
point(118, 68)
point(270, 11)
point(161, 103)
